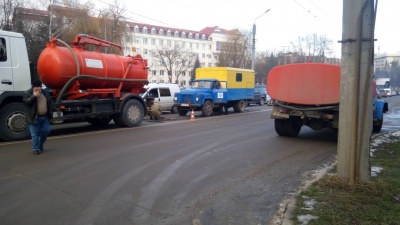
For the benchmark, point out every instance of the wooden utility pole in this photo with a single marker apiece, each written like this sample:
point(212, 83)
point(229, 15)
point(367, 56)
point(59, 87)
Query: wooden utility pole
point(356, 96)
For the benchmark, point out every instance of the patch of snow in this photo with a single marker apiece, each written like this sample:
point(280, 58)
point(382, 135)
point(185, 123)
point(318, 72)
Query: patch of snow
point(304, 219)
point(375, 170)
point(309, 204)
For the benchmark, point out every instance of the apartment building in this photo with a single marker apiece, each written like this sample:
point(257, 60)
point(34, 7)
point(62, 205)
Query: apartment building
point(146, 39)
point(384, 62)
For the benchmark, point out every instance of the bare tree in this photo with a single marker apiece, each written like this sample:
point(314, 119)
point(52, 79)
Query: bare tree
point(312, 48)
point(176, 61)
point(6, 13)
point(235, 51)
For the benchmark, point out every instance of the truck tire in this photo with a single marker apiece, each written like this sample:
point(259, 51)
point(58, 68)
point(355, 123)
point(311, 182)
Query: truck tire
point(182, 112)
point(98, 122)
point(239, 106)
point(287, 127)
point(132, 114)
point(377, 127)
point(174, 109)
point(207, 108)
point(13, 124)
point(262, 101)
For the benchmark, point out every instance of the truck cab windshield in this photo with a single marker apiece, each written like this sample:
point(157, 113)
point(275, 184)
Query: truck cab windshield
point(202, 84)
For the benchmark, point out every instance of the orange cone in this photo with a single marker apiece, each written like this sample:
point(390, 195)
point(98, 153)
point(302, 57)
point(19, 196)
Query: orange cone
point(192, 116)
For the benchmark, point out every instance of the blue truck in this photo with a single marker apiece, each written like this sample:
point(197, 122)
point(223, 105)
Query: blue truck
point(215, 89)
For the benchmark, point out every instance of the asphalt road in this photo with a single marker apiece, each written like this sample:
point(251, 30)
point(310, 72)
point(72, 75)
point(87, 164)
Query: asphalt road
point(219, 170)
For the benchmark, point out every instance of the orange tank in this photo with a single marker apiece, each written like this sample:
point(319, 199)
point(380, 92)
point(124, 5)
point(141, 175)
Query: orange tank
point(305, 83)
point(56, 65)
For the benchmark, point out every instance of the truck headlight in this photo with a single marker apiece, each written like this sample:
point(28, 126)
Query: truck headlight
point(175, 98)
point(197, 98)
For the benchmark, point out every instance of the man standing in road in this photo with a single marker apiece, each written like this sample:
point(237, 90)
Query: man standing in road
point(38, 103)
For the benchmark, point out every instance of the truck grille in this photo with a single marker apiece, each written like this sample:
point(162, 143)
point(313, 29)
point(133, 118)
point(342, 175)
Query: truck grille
point(187, 98)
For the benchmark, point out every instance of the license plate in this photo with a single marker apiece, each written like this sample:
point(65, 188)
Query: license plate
point(187, 105)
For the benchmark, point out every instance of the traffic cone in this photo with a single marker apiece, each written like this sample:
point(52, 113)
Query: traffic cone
point(192, 116)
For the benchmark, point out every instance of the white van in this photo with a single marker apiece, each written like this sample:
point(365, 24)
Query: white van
point(163, 94)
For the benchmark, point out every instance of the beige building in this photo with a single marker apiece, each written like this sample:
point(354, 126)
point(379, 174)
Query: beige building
point(145, 39)
point(384, 61)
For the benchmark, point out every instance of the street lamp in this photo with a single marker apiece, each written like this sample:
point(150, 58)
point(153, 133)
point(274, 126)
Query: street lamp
point(254, 40)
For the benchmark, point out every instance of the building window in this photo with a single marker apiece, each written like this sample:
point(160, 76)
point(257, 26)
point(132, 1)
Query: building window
point(169, 43)
point(154, 81)
point(190, 35)
point(145, 41)
point(153, 30)
point(161, 32)
point(136, 29)
point(145, 51)
point(203, 37)
point(161, 43)
point(190, 45)
point(144, 30)
point(183, 34)
point(176, 34)
point(197, 36)
point(203, 46)
point(197, 45)
point(203, 55)
point(183, 73)
point(183, 44)
point(128, 39)
point(161, 72)
point(218, 43)
point(176, 43)
point(127, 28)
point(161, 81)
point(65, 20)
point(153, 41)
point(137, 40)
point(169, 33)
point(154, 72)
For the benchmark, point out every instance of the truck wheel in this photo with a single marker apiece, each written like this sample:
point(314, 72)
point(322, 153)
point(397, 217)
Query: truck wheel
point(174, 109)
point(262, 101)
point(287, 127)
point(98, 122)
point(13, 124)
point(132, 114)
point(182, 112)
point(239, 106)
point(207, 108)
point(377, 127)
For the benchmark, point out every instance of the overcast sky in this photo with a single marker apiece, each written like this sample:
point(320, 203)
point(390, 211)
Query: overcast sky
point(285, 22)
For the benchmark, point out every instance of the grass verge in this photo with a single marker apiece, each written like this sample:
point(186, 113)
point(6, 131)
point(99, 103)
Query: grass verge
point(332, 201)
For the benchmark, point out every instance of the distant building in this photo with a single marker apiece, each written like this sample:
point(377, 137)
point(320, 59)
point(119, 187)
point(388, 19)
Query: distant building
point(383, 62)
point(146, 39)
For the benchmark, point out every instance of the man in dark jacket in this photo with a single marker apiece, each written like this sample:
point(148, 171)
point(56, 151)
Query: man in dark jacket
point(39, 110)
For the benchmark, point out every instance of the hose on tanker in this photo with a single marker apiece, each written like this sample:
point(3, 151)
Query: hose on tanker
point(304, 109)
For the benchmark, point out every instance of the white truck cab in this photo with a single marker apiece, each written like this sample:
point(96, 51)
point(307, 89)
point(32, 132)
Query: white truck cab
point(15, 78)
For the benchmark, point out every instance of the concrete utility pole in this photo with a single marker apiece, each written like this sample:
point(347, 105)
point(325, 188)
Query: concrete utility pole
point(355, 113)
point(253, 52)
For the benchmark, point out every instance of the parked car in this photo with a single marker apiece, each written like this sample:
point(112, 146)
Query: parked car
point(393, 93)
point(388, 92)
point(260, 95)
point(163, 93)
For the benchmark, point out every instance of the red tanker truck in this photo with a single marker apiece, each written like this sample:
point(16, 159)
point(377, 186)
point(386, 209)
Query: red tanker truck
point(308, 94)
point(84, 84)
